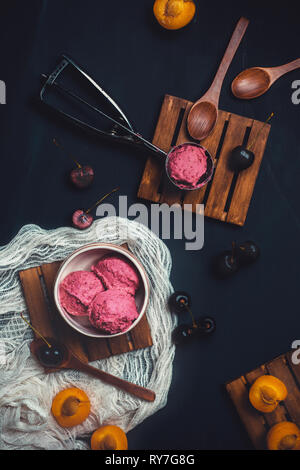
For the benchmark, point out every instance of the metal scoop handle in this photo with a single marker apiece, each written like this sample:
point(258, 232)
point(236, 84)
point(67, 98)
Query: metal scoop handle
point(132, 137)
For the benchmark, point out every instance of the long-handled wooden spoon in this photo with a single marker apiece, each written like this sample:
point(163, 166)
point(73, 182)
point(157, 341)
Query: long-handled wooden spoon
point(203, 114)
point(254, 82)
point(68, 360)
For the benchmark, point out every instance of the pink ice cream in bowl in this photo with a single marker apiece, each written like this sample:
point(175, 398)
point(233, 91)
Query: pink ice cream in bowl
point(102, 290)
point(189, 166)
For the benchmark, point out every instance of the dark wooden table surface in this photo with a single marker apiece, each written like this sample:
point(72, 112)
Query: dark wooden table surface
point(136, 61)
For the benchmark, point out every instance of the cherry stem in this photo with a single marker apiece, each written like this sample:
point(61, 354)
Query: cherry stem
point(36, 331)
point(61, 147)
point(102, 199)
point(254, 140)
point(192, 316)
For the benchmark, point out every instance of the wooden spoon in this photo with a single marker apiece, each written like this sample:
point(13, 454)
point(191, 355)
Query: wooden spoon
point(203, 114)
point(71, 361)
point(254, 82)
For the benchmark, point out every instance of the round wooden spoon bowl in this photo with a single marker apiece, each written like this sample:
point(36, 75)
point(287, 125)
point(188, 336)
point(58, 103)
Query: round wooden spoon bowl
point(202, 119)
point(254, 82)
point(251, 83)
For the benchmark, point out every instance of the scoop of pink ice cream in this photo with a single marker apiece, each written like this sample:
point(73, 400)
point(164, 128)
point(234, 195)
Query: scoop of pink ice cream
point(113, 311)
point(83, 285)
point(186, 164)
point(117, 273)
point(72, 305)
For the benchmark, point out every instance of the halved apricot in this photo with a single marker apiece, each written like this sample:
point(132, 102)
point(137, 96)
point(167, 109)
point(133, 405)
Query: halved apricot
point(266, 392)
point(284, 436)
point(70, 407)
point(174, 14)
point(109, 438)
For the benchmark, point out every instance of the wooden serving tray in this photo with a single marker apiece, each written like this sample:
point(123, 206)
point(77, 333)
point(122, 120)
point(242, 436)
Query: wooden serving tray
point(37, 284)
point(256, 423)
point(227, 197)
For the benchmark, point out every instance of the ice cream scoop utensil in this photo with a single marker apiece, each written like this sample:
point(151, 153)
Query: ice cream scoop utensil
point(122, 130)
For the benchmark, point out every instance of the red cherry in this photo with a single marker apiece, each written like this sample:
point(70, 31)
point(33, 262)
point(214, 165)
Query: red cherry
point(82, 176)
point(81, 219)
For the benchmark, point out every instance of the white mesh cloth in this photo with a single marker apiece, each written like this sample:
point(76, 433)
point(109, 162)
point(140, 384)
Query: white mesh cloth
point(26, 393)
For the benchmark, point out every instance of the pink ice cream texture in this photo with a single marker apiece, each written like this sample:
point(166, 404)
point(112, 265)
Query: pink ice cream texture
point(77, 291)
point(116, 273)
point(186, 164)
point(113, 311)
point(72, 305)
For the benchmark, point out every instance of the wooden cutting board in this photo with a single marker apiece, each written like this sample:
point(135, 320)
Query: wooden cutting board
point(227, 197)
point(256, 423)
point(38, 284)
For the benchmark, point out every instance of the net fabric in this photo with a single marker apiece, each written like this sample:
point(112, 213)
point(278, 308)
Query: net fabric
point(26, 393)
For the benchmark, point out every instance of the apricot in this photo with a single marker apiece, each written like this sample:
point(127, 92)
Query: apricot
point(174, 14)
point(109, 438)
point(266, 392)
point(284, 436)
point(70, 407)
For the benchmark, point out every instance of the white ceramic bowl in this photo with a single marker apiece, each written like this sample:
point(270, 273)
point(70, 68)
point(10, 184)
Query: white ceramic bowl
point(82, 260)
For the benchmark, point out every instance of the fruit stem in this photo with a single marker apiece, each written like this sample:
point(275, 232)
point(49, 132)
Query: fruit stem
point(60, 146)
point(258, 134)
point(36, 331)
point(192, 316)
point(102, 199)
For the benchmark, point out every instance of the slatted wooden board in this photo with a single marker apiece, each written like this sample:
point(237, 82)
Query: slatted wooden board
point(38, 285)
point(257, 424)
point(227, 197)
